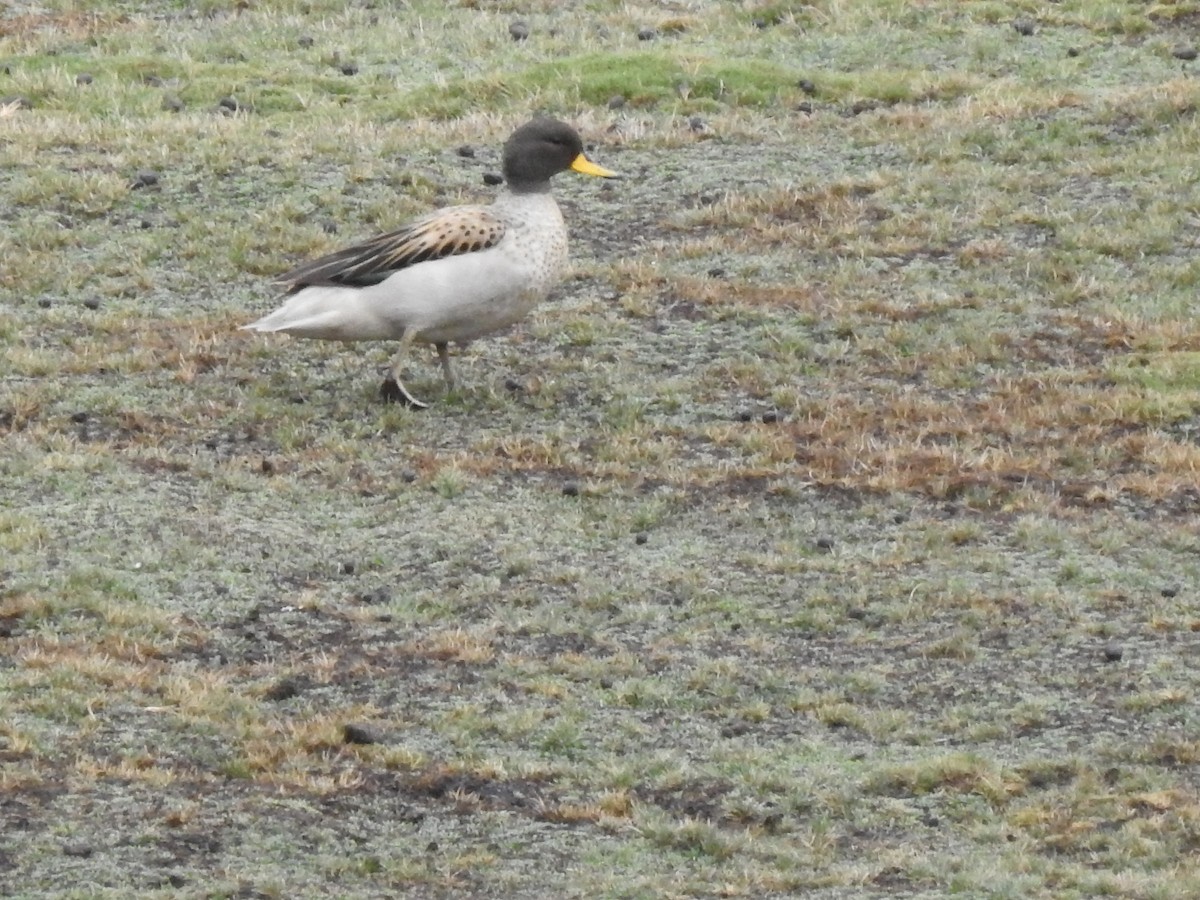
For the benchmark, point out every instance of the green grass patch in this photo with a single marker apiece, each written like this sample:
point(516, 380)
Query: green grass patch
point(649, 80)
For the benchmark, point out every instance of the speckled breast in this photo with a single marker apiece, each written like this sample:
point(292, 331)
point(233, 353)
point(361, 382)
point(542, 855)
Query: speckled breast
point(539, 239)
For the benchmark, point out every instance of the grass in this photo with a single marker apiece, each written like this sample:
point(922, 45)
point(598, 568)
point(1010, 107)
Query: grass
point(832, 531)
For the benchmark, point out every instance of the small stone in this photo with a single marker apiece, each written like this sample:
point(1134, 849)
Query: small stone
point(492, 179)
point(807, 86)
point(716, 272)
point(44, 302)
point(824, 544)
point(80, 849)
point(770, 417)
point(172, 103)
point(305, 40)
point(513, 386)
point(466, 151)
point(1113, 652)
point(805, 107)
point(571, 489)
point(745, 415)
point(375, 598)
point(92, 303)
point(360, 734)
point(1186, 52)
point(348, 68)
point(641, 537)
point(856, 612)
point(616, 101)
point(408, 476)
point(145, 224)
point(79, 417)
point(84, 78)
point(734, 729)
point(1170, 592)
point(646, 33)
point(519, 31)
point(229, 103)
point(1024, 27)
point(346, 567)
point(144, 178)
point(286, 688)
point(1073, 52)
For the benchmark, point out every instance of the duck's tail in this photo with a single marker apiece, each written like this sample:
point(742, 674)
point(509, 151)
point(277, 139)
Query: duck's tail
point(325, 312)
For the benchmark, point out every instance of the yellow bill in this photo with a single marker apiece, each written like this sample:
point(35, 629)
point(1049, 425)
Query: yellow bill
point(585, 166)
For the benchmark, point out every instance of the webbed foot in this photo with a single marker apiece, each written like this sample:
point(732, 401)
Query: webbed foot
point(392, 391)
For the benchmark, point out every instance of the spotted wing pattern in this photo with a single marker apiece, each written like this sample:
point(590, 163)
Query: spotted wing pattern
point(447, 232)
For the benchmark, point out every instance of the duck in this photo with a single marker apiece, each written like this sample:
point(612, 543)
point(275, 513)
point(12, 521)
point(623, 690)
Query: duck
point(451, 275)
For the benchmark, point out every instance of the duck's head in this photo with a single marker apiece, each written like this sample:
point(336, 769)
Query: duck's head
point(539, 150)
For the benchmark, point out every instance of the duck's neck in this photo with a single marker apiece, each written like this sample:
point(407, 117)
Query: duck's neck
point(528, 187)
point(526, 199)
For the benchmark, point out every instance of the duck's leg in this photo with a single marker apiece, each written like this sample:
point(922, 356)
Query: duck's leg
point(443, 352)
point(393, 390)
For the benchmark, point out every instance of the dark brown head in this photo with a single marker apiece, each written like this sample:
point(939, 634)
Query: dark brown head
point(539, 150)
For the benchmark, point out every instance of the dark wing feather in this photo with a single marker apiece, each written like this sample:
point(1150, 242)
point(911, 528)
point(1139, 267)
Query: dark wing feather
point(447, 232)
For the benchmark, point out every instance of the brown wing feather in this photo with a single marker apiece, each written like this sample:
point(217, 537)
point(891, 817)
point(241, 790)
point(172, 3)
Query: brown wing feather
point(447, 232)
